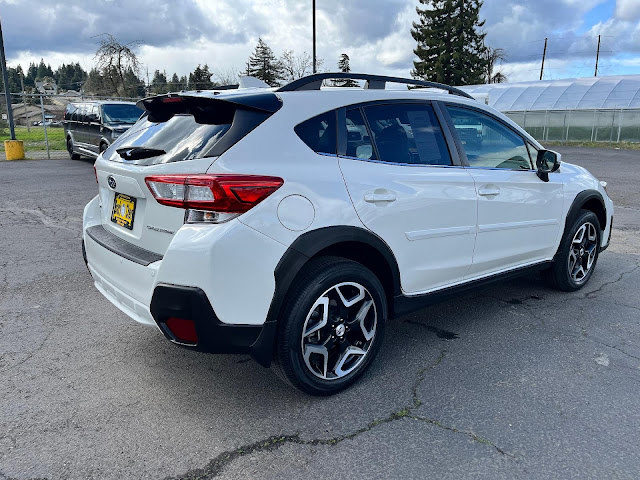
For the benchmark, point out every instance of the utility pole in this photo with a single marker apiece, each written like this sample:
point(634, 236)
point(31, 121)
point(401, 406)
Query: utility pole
point(597, 57)
point(24, 102)
point(7, 95)
point(544, 54)
point(314, 36)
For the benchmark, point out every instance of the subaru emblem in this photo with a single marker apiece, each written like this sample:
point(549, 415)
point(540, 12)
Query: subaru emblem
point(112, 182)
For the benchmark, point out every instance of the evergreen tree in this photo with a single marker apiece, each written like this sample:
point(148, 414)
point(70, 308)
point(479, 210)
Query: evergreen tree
point(159, 83)
point(13, 75)
point(95, 83)
point(174, 84)
point(264, 65)
point(134, 85)
point(343, 66)
point(69, 77)
point(200, 78)
point(43, 71)
point(450, 42)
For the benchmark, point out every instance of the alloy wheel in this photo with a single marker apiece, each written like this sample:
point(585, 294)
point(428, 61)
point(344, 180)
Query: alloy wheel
point(582, 252)
point(339, 331)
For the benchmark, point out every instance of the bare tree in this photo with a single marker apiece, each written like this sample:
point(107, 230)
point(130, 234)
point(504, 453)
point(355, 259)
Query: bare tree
point(495, 55)
point(116, 60)
point(296, 66)
point(227, 76)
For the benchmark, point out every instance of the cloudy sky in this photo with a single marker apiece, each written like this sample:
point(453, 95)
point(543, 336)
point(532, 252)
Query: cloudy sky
point(374, 33)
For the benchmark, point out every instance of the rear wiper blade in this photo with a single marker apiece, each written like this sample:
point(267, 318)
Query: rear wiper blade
point(138, 153)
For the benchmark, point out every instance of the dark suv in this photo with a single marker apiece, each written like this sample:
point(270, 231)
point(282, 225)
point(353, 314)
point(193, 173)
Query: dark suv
point(90, 127)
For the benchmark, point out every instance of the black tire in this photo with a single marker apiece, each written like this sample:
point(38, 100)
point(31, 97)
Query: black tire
point(318, 281)
point(72, 155)
point(561, 274)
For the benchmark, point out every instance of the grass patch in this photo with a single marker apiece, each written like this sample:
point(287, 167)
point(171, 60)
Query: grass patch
point(34, 140)
point(621, 145)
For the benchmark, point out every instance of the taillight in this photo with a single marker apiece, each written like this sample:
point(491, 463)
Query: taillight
point(212, 198)
point(95, 172)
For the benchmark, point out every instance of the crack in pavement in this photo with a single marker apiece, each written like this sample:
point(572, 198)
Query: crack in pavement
point(606, 284)
point(32, 352)
point(217, 465)
point(45, 219)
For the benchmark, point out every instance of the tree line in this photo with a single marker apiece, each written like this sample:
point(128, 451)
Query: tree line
point(450, 49)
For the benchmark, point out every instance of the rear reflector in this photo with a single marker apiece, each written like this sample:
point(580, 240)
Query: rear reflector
point(223, 193)
point(184, 330)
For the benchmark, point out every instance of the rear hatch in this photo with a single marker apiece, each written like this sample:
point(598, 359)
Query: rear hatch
point(178, 135)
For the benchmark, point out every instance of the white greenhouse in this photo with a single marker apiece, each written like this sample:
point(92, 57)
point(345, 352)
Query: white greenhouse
point(596, 109)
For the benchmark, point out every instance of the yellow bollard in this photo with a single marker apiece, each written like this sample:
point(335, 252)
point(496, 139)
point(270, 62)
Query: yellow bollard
point(14, 149)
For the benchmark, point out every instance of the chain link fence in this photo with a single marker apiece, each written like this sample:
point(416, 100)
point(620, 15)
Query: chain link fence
point(39, 124)
point(584, 126)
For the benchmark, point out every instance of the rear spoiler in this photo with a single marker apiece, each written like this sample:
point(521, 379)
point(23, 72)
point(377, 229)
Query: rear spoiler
point(207, 109)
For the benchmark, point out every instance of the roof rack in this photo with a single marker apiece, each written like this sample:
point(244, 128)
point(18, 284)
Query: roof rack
point(378, 82)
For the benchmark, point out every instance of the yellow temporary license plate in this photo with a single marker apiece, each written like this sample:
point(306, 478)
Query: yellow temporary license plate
point(124, 208)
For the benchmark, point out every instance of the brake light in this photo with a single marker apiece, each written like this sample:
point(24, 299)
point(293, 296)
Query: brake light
point(212, 198)
point(95, 172)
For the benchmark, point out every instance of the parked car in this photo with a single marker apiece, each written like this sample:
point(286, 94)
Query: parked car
point(48, 123)
point(294, 224)
point(90, 127)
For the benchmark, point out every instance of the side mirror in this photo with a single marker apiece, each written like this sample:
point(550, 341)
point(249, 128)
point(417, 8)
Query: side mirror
point(547, 162)
point(93, 117)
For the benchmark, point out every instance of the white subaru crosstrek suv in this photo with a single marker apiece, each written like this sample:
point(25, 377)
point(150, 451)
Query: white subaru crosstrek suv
point(292, 224)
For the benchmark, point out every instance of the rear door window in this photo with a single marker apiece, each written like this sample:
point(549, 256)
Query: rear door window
point(319, 133)
point(407, 133)
point(358, 139)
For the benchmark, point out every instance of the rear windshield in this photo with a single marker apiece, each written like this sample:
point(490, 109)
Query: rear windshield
point(121, 113)
point(181, 137)
point(178, 128)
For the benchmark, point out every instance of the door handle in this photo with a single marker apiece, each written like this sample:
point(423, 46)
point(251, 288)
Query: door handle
point(379, 197)
point(489, 191)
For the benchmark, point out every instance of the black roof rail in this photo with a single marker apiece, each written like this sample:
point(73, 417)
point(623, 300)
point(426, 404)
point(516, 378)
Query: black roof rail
point(314, 82)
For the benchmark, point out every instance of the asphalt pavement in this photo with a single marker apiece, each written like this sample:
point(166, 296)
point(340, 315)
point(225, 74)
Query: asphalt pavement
point(511, 381)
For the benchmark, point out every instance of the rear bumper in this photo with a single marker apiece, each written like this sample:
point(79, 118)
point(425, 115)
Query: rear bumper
point(191, 303)
point(126, 284)
point(230, 267)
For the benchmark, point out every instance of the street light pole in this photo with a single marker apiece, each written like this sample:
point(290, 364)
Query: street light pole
point(5, 78)
point(314, 37)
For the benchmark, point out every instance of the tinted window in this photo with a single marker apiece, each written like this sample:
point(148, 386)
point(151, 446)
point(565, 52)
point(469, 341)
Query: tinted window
point(94, 115)
point(181, 137)
point(69, 111)
point(82, 113)
point(487, 142)
point(121, 113)
point(358, 139)
point(408, 133)
point(75, 113)
point(319, 133)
